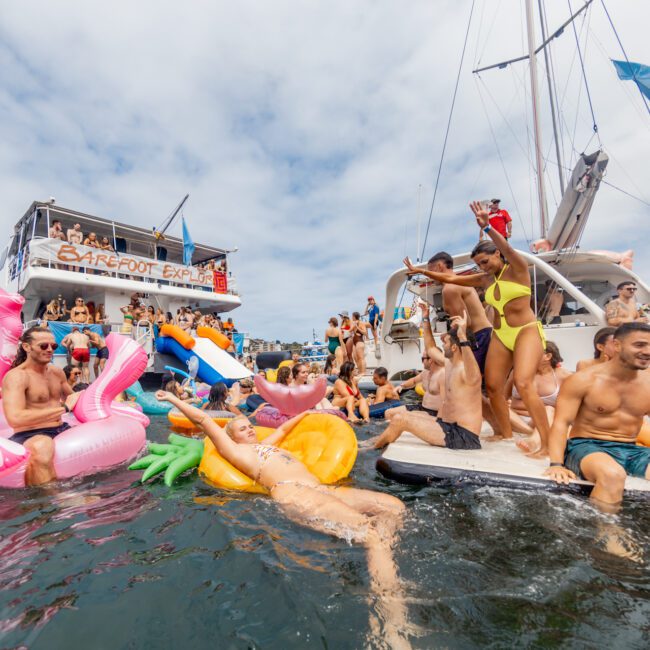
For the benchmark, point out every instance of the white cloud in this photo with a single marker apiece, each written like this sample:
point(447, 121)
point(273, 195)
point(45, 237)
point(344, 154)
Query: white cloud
point(302, 131)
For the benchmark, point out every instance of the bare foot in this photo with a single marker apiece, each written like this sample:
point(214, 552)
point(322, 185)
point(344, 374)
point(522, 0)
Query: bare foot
point(619, 542)
point(529, 444)
point(497, 437)
point(542, 452)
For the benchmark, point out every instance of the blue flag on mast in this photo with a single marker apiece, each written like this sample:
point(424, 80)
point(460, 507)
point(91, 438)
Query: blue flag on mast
point(188, 245)
point(638, 72)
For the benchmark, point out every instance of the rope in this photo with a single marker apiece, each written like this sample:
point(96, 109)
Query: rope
point(444, 145)
point(611, 22)
point(584, 75)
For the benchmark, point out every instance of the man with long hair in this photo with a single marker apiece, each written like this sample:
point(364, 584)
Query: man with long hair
point(35, 395)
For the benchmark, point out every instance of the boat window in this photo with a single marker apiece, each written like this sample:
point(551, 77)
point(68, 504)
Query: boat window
point(556, 306)
point(120, 245)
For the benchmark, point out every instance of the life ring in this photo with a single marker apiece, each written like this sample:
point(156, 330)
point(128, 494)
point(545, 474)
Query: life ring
point(103, 433)
point(419, 389)
point(644, 435)
point(183, 423)
point(327, 445)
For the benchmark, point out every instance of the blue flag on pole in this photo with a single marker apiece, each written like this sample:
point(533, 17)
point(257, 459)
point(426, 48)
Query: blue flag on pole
point(638, 72)
point(188, 245)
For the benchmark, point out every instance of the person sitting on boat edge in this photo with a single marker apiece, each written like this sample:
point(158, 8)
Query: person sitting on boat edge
point(35, 395)
point(624, 308)
point(604, 407)
point(432, 376)
point(386, 392)
point(604, 349)
point(372, 311)
point(460, 419)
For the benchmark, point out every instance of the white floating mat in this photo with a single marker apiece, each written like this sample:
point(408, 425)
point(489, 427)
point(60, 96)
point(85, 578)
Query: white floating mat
point(411, 460)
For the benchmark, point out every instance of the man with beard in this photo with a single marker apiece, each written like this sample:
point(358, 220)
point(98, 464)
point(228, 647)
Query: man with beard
point(606, 405)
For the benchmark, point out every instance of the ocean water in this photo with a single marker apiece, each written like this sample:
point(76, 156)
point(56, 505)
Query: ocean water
point(105, 562)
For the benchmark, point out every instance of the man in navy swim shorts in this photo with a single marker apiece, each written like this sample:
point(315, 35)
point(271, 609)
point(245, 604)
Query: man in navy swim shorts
point(606, 404)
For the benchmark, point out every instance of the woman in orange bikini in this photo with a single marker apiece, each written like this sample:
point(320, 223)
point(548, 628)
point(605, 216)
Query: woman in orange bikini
point(347, 394)
point(518, 342)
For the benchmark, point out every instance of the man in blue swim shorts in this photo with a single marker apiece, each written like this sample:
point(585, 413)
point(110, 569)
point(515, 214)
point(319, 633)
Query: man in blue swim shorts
point(606, 404)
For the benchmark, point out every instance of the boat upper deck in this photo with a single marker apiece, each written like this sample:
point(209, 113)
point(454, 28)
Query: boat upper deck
point(108, 250)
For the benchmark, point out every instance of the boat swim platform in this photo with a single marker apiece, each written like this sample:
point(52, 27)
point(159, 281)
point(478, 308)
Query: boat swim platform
point(413, 461)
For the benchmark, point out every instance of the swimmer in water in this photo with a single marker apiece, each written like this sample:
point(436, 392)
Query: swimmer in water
point(367, 517)
point(602, 409)
point(386, 392)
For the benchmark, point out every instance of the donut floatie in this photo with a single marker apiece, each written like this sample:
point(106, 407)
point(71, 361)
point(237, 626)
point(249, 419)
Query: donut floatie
point(326, 444)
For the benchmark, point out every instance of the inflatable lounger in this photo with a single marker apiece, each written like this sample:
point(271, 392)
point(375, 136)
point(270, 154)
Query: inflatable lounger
point(411, 460)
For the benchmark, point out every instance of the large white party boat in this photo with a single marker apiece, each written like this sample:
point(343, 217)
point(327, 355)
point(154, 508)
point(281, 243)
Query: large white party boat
point(135, 261)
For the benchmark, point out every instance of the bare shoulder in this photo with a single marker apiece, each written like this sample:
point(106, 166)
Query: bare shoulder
point(579, 382)
point(15, 377)
point(55, 371)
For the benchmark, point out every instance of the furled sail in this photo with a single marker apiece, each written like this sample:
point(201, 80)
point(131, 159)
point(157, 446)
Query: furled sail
point(573, 211)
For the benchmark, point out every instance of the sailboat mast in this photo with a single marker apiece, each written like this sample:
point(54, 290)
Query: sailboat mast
point(539, 161)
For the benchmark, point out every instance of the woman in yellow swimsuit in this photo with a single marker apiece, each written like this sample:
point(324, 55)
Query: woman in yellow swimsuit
point(519, 341)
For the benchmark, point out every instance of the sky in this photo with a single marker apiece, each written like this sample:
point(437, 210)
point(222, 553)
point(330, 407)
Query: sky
point(309, 134)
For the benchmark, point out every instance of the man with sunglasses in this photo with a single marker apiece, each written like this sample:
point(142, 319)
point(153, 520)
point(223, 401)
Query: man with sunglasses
point(460, 418)
point(35, 396)
point(624, 308)
point(432, 376)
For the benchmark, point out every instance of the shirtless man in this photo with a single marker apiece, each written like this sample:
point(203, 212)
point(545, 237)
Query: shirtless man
point(367, 517)
point(605, 406)
point(75, 236)
point(77, 342)
point(432, 377)
point(460, 418)
point(623, 309)
point(386, 392)
point(56, 231)
point(457, 300)
point(79, 313)
point(35, 396)
point(97, 342)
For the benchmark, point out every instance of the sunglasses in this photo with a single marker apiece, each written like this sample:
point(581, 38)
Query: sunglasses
point(425, 358)
point(46, 346)
point(631, 288)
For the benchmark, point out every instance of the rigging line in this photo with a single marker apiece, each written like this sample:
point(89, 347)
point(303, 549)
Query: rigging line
point(503, 166)
point(584, 75)
point(444, 144)
point(611, 22)
point(615, 187)
point(489, 33)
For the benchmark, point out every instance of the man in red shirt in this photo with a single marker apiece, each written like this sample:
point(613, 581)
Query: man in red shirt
point(500, 220)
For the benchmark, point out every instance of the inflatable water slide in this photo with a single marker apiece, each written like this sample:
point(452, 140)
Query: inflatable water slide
point(209, 347)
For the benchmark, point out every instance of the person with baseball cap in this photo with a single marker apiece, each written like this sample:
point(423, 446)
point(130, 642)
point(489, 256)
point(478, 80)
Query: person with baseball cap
point(372, 311)
point(499, 219)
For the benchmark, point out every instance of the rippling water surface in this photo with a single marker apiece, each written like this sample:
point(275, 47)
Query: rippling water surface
point(108, 563)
